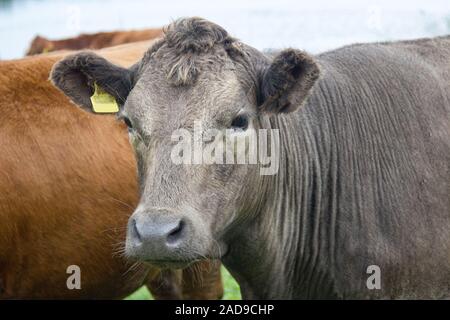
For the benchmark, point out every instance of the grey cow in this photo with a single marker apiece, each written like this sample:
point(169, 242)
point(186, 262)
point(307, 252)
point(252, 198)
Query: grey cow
point(364, 161)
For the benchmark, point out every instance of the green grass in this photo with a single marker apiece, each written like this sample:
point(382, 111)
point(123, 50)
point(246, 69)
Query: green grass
point(231, 289)
point(140, 294)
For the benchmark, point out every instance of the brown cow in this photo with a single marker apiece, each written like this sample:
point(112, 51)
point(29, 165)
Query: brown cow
point(92, 41)
point(67, 188)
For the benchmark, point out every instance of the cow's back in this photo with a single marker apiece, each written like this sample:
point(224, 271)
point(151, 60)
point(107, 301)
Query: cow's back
point(92, 41)
point(385, 109)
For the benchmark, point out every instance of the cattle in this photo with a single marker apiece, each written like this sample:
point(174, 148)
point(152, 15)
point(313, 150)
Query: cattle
point(67, 187)
point(359, 206)
point(91, 41)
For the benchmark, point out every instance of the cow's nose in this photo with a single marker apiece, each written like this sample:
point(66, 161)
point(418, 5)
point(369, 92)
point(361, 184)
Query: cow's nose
point(156, 236)
point(164, 232)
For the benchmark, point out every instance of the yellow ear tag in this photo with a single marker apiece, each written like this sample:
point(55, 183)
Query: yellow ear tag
point(103, 102)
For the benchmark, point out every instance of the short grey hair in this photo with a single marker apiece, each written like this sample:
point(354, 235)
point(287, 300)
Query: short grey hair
point(184, 45)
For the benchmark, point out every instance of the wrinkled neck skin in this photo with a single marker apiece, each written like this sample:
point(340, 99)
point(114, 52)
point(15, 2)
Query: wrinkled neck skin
point(279, 245)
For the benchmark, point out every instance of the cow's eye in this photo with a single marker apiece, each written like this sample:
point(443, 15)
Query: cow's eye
point(240, 123)
point(128, 122)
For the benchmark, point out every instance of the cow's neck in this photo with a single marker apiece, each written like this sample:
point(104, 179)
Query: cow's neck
point(286, 251)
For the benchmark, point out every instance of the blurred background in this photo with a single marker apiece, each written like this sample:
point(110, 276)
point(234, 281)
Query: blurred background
point(315, 26)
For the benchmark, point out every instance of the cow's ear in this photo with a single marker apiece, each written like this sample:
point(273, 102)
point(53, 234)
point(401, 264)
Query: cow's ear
point(287, 81)
point(79, 74)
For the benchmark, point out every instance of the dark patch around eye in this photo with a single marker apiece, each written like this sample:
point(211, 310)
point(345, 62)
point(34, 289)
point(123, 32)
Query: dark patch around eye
point(240, 122)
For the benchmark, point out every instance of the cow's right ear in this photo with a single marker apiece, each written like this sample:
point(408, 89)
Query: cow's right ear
point(77, 75)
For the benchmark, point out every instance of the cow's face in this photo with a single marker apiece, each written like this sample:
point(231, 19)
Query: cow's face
point(193, 92)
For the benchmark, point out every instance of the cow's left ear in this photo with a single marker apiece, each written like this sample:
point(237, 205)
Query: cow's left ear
point(78, 74)
point(287, 81)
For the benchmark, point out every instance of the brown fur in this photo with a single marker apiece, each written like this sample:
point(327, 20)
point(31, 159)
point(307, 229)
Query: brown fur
point(67, 189)
point(92, 41)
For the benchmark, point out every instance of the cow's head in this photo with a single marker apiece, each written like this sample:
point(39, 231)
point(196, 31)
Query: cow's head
point(195, 76)
point(40, 45)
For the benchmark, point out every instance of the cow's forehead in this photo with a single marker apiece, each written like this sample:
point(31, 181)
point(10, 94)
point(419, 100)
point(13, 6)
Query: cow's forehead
point(162, 106)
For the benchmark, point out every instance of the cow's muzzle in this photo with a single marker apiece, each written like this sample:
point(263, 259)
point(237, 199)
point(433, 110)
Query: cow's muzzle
point(159, 237)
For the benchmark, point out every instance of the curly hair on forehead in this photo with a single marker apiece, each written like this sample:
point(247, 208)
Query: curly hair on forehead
point(184, 42)
point(194, 35)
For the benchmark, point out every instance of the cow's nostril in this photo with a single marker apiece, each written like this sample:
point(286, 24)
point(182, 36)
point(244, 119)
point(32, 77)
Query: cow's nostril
point(176, 233)
point(135, 230)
